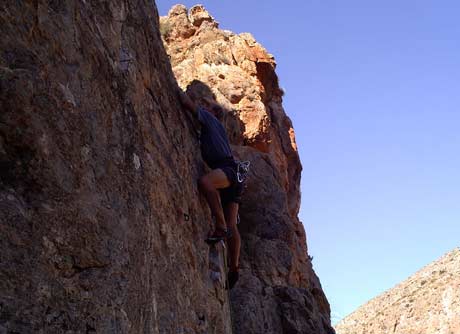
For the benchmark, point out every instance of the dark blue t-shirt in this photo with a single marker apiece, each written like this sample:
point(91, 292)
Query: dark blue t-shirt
point(215, 147)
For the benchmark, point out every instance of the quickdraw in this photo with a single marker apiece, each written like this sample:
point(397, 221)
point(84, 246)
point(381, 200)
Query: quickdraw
point(242, 170)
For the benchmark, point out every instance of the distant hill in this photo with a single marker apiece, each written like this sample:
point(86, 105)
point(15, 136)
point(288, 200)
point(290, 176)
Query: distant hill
point(428, 302)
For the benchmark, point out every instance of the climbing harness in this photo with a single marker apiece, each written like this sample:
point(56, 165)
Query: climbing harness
point(242, 170)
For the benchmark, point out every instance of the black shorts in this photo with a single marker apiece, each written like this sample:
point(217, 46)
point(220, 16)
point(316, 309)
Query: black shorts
point(233, 192)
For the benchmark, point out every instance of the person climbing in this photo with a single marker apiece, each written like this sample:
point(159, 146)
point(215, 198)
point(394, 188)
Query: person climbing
point(223, 185)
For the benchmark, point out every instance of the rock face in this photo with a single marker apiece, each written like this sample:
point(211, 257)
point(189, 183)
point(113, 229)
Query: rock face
point(101, 221)
point(428, 302)
point(278, 291)
point(101, 224)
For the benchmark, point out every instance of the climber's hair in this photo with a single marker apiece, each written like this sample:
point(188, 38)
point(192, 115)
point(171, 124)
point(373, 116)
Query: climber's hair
point(198, 89)
point(218, 112)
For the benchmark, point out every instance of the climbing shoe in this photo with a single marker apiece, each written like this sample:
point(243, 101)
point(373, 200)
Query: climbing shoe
point(232, 278)
point(218, 235)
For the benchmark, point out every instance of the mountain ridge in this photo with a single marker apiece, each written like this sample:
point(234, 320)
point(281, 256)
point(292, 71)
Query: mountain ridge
point(426, 302)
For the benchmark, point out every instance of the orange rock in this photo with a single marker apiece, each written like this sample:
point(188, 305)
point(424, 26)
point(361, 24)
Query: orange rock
point(277, 280)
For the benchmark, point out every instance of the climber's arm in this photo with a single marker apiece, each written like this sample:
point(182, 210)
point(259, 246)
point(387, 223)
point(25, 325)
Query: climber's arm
point(187, 102)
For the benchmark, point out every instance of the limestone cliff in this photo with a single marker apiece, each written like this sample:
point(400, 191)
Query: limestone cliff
point(101, 222)
point(428, 302)
point(278, 291)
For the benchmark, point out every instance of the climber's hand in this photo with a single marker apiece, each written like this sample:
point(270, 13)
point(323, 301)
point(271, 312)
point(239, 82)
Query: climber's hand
point(186, 101)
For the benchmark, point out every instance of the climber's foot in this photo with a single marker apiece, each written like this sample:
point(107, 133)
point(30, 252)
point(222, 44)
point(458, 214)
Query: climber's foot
point(232, 278)
point(220, 234)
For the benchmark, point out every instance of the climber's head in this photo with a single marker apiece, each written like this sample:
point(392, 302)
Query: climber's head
point(198, 91)
point(202, 95)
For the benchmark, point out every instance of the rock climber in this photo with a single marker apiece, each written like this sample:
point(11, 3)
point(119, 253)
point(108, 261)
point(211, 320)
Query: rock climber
point(221, 186)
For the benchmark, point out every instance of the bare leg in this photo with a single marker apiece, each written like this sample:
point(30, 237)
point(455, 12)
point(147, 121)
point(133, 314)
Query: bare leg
point(209, 185)
point(234, 243)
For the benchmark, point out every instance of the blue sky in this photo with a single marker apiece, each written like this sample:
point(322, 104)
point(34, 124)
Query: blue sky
point(373, 90)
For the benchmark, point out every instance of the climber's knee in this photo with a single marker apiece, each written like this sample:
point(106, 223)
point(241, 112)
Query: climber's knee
point(215, 179)
point(205, 185)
